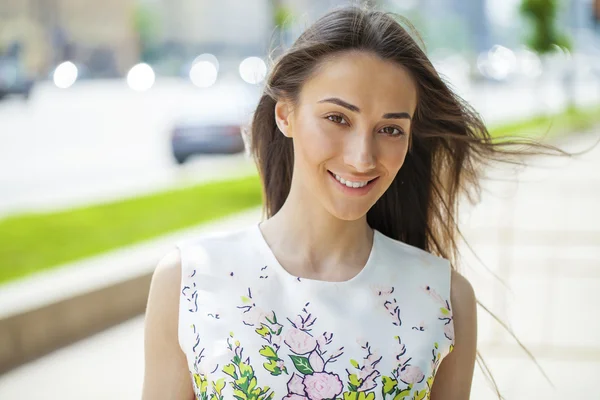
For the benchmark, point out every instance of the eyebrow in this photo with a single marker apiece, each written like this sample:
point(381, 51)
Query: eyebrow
point(352, 107)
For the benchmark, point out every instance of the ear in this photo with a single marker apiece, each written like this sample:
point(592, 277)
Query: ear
point(283, 117)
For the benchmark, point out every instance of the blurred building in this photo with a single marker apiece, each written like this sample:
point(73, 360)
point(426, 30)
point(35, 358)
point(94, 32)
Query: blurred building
point(99, 34)
point(214, 25)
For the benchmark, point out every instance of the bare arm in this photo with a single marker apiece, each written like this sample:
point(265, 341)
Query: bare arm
point(455, 374)
point(166, 375)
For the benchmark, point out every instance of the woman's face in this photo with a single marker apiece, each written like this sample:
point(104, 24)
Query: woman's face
point(350, 131)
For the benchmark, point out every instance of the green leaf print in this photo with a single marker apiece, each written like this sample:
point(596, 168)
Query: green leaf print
point(274, 368)
point(403, 395)
point(420, 395)
point(354, 363)
point(238, 394)
point(245, 369)
point(229, 369)
point(274, 321)
point(268, 352)
point(217, 388)
point(302, 364)
point(444, 311)
point(263, 331)
point(359, 396)
point(245, 300)
point(252, 386)
point(389, 385)
point(351, 395)
point(354, 382)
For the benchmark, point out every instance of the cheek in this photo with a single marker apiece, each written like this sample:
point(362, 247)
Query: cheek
point(392, 156)
point(314, 143)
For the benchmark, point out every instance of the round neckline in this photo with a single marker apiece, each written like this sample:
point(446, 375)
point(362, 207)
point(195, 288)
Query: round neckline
point(266, 250)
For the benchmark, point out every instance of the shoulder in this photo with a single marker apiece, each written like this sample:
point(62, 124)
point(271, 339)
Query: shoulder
point(464, 312)
point(462, 296)
point(164, 287)
point(397, 250)
point(216, 240)
point(214, 247)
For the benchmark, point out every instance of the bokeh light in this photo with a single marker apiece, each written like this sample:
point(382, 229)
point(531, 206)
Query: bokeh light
point(141, 77)
point(203, 74)
point(65, 75)
point(253, 70)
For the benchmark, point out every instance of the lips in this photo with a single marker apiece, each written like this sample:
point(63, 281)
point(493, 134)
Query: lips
point(352, 179)
point(354, 191)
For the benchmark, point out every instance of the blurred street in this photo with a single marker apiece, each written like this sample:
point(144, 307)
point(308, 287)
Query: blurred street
point(103, 141)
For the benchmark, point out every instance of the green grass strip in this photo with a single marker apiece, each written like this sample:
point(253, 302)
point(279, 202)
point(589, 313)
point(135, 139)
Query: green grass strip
point(34, 242)
point(550, 126)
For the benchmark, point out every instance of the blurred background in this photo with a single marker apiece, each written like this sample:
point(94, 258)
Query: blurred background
point(121, 131)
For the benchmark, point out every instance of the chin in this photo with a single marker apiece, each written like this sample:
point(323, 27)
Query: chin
point(349, 213)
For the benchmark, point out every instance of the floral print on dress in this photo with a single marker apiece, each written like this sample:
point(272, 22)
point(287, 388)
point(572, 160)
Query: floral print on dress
point(308, 360)
point(445, 313)
point(389, 302)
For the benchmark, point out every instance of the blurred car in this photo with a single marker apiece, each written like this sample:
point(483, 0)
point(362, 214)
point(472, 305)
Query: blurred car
point(212, 123)
point(196, 137)
point(13, 80)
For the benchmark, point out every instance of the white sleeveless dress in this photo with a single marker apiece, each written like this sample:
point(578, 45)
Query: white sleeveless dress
point(251, 330)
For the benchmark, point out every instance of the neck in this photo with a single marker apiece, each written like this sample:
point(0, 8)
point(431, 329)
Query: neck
point(310, 242)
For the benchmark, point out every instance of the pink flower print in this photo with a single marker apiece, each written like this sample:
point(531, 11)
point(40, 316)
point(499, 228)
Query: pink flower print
point(294, 397)
point(296, 386)
point(336, 354)
point(402, 361)
point(445, 310)
point(434, 295)
point(254, 316)
point(449, 330)
point(399, 348)
point(368, 381)
point(411, 374)
point(316, 361)
point(322, 385)
point(297, 322)
point(276, 341)
point(362, 342)
point(394, 310)
point(385, 298)
point(380, 290)
point(299, 341)
point(324, 339)
point(372, 360)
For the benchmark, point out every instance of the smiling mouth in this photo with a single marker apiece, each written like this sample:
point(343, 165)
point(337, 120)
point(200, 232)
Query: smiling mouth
point(352, 184)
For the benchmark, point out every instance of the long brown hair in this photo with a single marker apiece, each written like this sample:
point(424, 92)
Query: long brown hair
point(450, 144)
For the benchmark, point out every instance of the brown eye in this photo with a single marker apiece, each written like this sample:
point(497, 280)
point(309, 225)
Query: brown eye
point(338, 119)
point(392, 131)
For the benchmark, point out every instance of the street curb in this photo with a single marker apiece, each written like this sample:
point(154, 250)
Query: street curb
point(92, 301)
point(32, 334)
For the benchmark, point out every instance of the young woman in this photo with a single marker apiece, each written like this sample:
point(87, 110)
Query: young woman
point(348, 289)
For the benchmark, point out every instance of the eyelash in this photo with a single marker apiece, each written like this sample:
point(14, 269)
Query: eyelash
point(328, 117)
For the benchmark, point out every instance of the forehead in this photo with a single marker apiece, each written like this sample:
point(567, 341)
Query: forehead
point(365, 80)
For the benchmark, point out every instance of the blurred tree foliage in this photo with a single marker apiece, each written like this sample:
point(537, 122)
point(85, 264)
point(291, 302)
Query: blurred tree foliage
point(147, 25)
point(545, 35)
point(281, 14)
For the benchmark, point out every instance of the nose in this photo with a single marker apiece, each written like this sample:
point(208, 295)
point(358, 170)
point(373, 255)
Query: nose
point(360, 153)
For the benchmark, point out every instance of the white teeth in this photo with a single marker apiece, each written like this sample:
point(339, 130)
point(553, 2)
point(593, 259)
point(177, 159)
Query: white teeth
point(350, 184)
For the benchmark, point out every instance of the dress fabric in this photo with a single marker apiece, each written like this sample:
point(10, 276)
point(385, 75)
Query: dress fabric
point(251, 330)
